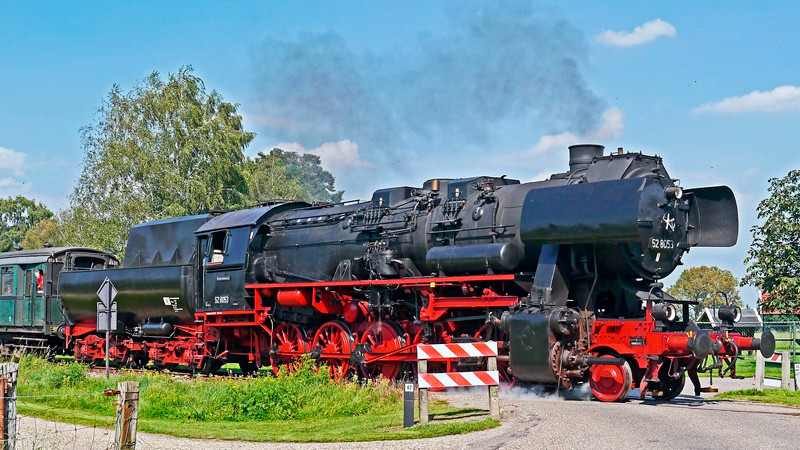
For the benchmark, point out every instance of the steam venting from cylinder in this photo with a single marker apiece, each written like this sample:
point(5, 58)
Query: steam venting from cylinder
point(581, 155)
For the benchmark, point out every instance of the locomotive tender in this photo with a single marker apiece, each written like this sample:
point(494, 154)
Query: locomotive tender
point(563, 273)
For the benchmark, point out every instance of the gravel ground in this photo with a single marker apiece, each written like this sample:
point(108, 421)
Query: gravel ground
point(529, 422)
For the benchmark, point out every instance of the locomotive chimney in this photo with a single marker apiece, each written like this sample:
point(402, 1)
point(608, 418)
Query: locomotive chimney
point(581, 155)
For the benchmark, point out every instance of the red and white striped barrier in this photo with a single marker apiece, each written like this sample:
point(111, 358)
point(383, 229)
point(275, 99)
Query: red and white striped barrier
point(443, 352)
point(459, 379)
point(775, 358)
point(435, 352)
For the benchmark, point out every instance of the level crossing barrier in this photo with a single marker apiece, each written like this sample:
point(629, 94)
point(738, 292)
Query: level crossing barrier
point(448, 352)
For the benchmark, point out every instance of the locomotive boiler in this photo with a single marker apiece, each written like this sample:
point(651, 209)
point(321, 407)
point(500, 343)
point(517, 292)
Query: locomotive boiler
point(564, 273)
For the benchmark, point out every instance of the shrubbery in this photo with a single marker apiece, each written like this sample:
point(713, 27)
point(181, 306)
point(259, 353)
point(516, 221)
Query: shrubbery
point(303, 393)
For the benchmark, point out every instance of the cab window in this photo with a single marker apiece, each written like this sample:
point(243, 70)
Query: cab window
point(218, 247)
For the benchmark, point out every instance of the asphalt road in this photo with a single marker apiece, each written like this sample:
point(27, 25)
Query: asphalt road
point(534, 422)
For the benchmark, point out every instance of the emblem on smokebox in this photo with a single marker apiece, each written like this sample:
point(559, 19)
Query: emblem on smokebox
point(669, 222)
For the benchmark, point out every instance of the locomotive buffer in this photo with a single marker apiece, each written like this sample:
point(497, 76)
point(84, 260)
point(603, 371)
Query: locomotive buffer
point(107, 312)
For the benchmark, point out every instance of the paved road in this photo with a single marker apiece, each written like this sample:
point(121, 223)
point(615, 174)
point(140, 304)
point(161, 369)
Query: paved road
point(533, 422)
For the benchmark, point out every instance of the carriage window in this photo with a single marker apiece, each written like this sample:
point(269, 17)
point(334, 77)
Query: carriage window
point(219, 247)
point(28, 278)
point(7, 281)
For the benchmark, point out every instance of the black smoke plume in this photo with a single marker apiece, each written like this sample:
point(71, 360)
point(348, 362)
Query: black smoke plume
point(499, 62)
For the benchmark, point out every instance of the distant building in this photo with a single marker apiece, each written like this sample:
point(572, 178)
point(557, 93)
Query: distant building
point(751, 320)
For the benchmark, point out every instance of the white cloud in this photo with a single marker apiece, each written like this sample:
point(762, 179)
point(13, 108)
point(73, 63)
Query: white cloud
point(613, 122)
point(12, 160)
point(642, 34)
point(782, 98)
point(335, 156)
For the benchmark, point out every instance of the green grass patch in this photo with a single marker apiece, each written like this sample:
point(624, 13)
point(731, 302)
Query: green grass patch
point(302, 406)
point(778, 396)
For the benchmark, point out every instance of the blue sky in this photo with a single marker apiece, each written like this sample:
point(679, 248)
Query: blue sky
point(393, 93)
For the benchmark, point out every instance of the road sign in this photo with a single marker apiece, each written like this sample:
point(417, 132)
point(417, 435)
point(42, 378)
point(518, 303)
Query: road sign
point(107, 313)
point(104, 322)
point(107, 293)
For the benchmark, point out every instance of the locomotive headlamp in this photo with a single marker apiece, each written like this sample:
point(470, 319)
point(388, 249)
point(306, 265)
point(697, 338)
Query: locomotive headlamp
point(665, 312)
point(673, 192)
point(730, 313)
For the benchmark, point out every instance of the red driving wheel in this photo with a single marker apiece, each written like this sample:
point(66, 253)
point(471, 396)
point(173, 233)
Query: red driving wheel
point(609, 382)
point(335, 342)
point(288, 338)
point(381, 337)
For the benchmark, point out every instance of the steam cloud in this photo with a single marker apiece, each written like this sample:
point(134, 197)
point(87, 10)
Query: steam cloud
point(499, 62)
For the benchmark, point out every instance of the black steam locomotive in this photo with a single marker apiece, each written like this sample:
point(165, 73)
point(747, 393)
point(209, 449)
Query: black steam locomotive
point(563, 273)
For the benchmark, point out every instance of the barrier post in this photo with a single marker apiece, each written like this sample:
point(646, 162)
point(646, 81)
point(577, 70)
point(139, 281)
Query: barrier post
point(127, 415)
point(786, 379)
point(422, 367)
point(494, 400)
point(759, 371)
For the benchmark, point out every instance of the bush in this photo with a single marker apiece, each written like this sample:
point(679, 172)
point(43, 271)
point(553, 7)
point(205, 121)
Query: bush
point(303, 393)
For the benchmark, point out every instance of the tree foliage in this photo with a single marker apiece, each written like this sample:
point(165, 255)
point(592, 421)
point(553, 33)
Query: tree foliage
point(164, 149)
point(702, 284)
point(17, 216)
point(268, 178)
point(306, 169)
point(773, 260)
point(46, 231)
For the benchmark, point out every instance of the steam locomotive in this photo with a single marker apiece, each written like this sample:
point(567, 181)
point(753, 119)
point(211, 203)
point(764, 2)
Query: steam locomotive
point(563, 274)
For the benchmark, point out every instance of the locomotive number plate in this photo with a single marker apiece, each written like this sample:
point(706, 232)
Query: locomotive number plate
point(666, 244)
point(637, 341)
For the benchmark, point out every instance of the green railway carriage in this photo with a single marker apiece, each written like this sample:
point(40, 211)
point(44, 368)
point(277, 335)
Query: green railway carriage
point(30, 307)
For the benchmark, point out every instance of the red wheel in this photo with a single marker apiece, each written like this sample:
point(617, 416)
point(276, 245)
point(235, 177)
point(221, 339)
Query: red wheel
point(287, 338)
point(611, 383)
point(335, 342)
point(381, 337)
point(490, 332)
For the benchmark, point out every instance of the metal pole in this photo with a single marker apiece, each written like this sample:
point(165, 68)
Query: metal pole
point(107, 350)
point(108, 327)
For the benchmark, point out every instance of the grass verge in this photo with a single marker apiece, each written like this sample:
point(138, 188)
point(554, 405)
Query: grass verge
point(303, 406)
point(777, 396)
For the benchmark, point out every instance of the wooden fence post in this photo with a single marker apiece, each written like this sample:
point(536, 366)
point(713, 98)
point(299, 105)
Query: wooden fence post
point(759, 371)
point(786, 378)
point(127, 415)
point(8, 380)
point(494, 400)
point(422, 367)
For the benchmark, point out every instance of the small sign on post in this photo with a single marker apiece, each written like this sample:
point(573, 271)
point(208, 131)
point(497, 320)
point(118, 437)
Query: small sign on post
point(107, 313)
point(408, 405)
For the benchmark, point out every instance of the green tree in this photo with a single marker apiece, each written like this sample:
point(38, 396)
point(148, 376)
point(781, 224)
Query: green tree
point(306, 169)
point(702, 283)
point(17, 216)
point(268, 178)
point(164, 149)
point(46, 231)
point(773, 260)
